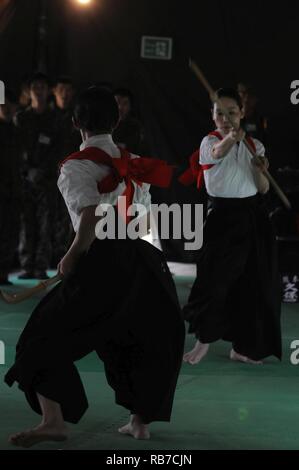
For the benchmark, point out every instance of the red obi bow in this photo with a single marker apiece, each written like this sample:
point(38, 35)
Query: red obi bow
point(139, 170)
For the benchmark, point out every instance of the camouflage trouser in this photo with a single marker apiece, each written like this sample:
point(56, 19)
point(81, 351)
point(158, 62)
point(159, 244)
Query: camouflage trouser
point(35, 236)
point(9, 233)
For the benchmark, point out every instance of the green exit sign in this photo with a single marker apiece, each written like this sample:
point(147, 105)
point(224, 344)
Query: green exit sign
point(153, 47)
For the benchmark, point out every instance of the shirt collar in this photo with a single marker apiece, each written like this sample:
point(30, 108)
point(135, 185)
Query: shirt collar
point(97, 141)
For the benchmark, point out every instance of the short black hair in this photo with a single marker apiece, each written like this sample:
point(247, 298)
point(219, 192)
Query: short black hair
point(96, 110)
point(65, 80)
point(38, 77)
point(104, 84)
point(125, 92)
point(230, 93)
point(247, 86)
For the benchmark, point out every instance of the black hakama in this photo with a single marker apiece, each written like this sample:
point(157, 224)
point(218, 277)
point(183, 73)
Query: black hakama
point(121, 302)
point(236, 295)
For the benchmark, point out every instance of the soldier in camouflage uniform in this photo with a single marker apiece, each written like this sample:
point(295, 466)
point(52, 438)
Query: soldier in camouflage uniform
point(39, 141)
point(69, 142)
point(9, 188)
point(129, 133)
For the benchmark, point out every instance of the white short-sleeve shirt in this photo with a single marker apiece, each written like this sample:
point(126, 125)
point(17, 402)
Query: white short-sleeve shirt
point(78, 181)
point(232, 175)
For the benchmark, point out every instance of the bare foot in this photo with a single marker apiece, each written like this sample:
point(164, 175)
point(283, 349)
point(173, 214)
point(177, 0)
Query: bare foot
point(135, 428)
point(234, 356)
point(43, 432)
point(197, 353)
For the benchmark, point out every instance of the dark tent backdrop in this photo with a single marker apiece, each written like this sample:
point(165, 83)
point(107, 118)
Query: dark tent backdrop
point(251, 41)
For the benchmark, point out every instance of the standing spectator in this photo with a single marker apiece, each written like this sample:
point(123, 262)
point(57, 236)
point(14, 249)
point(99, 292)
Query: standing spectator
point(38, 134)
point(69, 142)
point(24, 98)
point(9, 187)
point(253, 122)
point(129, 133)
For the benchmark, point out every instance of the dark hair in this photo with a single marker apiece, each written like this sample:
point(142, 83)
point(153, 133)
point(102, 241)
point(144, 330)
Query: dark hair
point(38, 77)
point(96, 110)
point(104, 84)
point(231, 93)
point(125, 92)
point(65, 80)
point(247, 86)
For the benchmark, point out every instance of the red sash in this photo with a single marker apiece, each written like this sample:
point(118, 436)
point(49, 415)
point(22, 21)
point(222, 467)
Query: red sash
point(140, 170)
point(195, 171)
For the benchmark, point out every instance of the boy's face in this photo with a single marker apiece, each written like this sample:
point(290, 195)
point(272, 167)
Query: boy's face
point(63, 93)
point(124, 105)
point(235, 113)
point(39, 91)
point(243, 92)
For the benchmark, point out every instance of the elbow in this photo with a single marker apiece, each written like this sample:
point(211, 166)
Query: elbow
point(264, 189)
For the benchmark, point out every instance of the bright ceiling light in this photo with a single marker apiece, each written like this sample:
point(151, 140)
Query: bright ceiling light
point(84, 2)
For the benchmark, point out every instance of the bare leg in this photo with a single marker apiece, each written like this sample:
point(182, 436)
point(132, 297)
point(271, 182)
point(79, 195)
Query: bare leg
point(52, 427)
point(136, 428)
point(234, 356)
point(197, 353)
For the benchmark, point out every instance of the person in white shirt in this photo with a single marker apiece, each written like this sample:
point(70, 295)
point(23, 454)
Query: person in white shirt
point(235, 296)
point(117, 296)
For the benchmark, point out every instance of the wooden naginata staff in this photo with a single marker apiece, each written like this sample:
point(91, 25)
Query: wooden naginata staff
point(9, 298)
point(214, 98)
